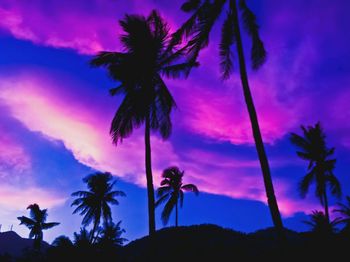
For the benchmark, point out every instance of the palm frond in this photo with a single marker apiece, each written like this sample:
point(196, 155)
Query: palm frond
point(190, 188)
point(258, 52)
point(49, 225)
point(168, 208)
point(305, 183)
point(191, 5)
point(28, 222)
point(227, 40)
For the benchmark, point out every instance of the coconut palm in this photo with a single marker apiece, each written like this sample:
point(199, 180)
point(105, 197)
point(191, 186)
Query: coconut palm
point(197, 29)
point(172, 192)
point(320, 223)
point(111, 235)
point(138, 70)
point(344, 211)
point(312, 148)
point(95, 203)
point(36, 223)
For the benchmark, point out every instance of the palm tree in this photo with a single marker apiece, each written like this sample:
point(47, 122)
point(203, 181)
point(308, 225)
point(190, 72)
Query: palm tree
point(321, 225)
point(95, 203)
point(172, 192)
point(36, 223)
point(344, 211)
point(111, 235)
point(313, 148)
point(148, 55)
point(197, 29)
point(82, 239)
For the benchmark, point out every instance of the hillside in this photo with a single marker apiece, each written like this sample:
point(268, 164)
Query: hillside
point(11, 243)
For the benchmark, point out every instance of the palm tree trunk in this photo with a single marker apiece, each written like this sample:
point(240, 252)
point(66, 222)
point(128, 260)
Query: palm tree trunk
point(326, 209)
point(92, 235)
point(149, 178)
point(271, 198)
point(176, 215)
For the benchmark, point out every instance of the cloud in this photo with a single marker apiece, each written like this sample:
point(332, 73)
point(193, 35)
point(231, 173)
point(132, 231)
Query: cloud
point(40, 106)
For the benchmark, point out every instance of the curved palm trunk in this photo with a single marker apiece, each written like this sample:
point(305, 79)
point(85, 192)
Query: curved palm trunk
point(326, 209)
point(176, 215)
point(150, 189)
point(92, 236)
point(271, 198)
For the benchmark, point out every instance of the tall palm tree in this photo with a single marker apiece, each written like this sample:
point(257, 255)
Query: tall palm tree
point(198, 28)
point(147, 56)
point(95, 203)
point(36, 223)
point(172, 192)
point(312, 148)
point(344, 211)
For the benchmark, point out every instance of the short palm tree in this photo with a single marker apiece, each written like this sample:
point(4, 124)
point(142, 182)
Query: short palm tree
point(82, 239)
point(36, 223)
point(95, 203)
point(312, 148)
point(344, 211)
point(197, 29)
point(111, 235)
point(138, 70)
point(172, 192)
point(321, 225)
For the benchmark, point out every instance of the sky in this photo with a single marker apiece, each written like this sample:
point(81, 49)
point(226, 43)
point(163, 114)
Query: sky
point(55, 113)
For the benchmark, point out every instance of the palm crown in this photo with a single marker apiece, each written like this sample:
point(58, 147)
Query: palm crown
point(205, 13)
point(172, 191)
point(95, 203)
point(312, 148)
point(36, 223)
point(148, 55)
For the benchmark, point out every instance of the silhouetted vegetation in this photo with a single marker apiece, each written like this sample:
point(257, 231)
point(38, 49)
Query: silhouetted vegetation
point(312, 148)
point(36, 223)
point(148, 55)
point(94, 204)
point(196, 30)
point(172, 192)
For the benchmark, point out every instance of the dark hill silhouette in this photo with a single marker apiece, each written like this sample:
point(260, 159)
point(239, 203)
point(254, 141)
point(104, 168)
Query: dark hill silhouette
point(213, 243)
point(11, 243)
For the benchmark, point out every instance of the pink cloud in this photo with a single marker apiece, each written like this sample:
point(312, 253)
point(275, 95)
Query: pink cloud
point(13, 158)
point(40, 106)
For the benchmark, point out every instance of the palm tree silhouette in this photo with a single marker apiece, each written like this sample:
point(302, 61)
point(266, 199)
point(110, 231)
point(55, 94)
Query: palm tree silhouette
point(111, 235)
point(344, 211)
point(197, 29)
point(172, 192)
point(313, 148)
point(321, 225)
point(82, 239)
point(36, 223)
point(148, 55)
point(95, 203)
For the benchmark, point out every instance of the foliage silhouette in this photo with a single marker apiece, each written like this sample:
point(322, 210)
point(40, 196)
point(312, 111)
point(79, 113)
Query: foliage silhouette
point(111, 235)
point(320, 224)
point(312, 148)
point(95, 203)
point(148, 55)
point(197, 29)
point(344, 211)
point(36, 223)
point(172, 192)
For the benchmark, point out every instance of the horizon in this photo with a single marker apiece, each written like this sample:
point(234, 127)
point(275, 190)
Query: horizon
point(56, 113)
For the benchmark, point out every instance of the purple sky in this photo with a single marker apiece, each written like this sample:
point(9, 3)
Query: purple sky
point(56, 111)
